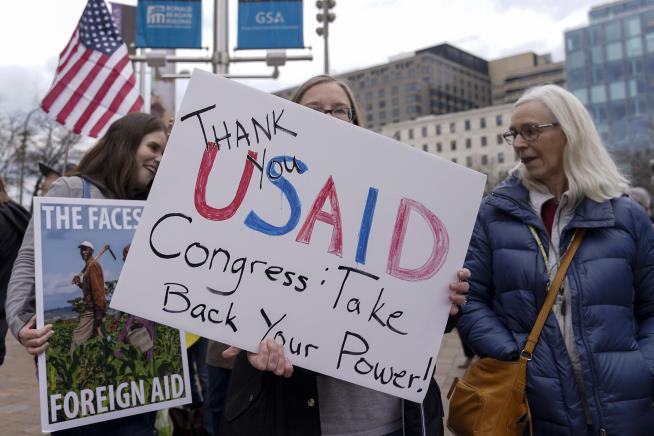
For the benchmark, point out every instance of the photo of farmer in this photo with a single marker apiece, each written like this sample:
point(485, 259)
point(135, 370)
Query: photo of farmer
point(121, 364)
point(91, 281)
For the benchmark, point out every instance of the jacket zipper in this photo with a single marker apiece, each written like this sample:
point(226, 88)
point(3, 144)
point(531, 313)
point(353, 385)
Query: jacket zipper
point(602, 430)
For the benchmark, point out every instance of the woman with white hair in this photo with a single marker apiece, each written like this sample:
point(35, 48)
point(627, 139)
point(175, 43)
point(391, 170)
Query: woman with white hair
point(592, 371)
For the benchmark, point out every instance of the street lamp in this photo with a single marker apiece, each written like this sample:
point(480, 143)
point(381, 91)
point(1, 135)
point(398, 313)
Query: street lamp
point(325, 17)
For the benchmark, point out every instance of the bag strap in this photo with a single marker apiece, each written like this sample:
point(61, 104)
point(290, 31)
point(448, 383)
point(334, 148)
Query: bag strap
point(552, 292)
point(86, 188)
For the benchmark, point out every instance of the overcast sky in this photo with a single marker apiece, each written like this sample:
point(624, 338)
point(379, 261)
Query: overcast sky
point(365, 33)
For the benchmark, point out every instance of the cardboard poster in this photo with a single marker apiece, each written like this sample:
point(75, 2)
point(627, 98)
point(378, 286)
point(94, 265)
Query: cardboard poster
point(101, 364)
point(270, 219)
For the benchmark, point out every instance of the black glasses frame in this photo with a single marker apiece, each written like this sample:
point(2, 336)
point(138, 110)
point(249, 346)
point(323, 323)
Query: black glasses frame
point(344, 110)
point(510, 135)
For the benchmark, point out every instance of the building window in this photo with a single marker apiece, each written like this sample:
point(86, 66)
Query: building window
point(598, 94)
point(618, 90)
point(424, 132)
point(614, 51)
point(484, 142)
point(632, 26)
point(454, 160)
point(612, 31)
point(499, 139)
point(452, 127)
point(468, 161)
point(381, 93)
point(649, 40)
point(382, 104)
point(482, 123)
point(395, 90)
point(382, 115)
point(484, 159)
point(453, 145)
point(634, 47)
point(438, 129)
point(397, 135)
point(498, 120)
point(439, 147)
point(500, 158)
point(466, 125)
point(410, 133)
point(468, 143)
point(396, 114)
point(597, 54)
point(575, 59)
point(582, 95)
point(425, 147)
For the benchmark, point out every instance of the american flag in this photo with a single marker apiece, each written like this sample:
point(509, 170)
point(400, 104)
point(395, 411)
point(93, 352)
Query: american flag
point(94, 83)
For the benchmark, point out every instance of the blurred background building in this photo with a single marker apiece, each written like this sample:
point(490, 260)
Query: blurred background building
point(610, 67)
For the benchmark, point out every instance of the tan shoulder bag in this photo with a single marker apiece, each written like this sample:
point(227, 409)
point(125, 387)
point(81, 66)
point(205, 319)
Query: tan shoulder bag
point(491, 398)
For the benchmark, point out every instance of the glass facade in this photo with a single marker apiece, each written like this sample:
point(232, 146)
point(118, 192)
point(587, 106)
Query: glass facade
point(610, 68)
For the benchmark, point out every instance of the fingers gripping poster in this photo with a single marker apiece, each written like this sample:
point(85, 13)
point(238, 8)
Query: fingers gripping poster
point(100, 364)
point(269, 219)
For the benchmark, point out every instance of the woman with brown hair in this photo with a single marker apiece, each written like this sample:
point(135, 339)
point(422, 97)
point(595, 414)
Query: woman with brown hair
point(121, 165)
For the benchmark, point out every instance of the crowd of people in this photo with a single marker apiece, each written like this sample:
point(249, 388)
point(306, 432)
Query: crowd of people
point(592, 372)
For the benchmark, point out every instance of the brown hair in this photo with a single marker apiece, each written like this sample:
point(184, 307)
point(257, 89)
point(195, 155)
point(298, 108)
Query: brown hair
point(111, 161)
point(324, 78)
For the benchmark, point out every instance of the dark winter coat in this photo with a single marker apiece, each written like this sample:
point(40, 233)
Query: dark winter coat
point(13, 222)
point(611, 281)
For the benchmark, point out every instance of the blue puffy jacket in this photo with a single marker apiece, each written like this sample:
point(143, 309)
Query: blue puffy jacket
point(611, 281)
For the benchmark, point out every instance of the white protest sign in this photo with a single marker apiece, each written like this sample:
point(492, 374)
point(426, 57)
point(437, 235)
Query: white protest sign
point(334, 240)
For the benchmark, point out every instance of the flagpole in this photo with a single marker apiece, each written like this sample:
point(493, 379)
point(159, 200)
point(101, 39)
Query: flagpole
point(220, 58)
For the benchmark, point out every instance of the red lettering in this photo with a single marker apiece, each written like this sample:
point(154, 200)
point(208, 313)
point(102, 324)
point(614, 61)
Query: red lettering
point(440, 248)
point(317, 214)
point(212, 213)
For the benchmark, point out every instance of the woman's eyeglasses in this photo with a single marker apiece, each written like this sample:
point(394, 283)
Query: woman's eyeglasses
point(341, 112)
point(529, 132)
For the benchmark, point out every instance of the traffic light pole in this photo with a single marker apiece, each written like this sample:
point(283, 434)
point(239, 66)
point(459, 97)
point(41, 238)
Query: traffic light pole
point(325, 17)
point(326, 38)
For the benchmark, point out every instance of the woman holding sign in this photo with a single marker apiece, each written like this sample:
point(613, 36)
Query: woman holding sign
point(121, 165)
point(268, 396)
point(592, 368)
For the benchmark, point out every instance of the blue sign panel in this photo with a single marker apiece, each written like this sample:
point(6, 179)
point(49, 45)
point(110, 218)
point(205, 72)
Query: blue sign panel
point(270, 24)
point(169, 24)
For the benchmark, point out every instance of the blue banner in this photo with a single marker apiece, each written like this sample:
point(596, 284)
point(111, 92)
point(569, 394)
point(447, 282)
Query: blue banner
point(169, 24)
point(270, 24)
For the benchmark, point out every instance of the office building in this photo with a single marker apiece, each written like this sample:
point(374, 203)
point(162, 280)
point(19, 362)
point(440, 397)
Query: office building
point(471, 138)
point(511, 76)
point(610, 68)
point(433, 80)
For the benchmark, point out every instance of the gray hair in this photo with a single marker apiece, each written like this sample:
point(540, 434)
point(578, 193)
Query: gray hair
point(589, 169)
point(640, 196)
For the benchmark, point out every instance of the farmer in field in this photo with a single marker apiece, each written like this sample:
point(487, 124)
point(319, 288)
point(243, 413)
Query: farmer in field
point(91, 281)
